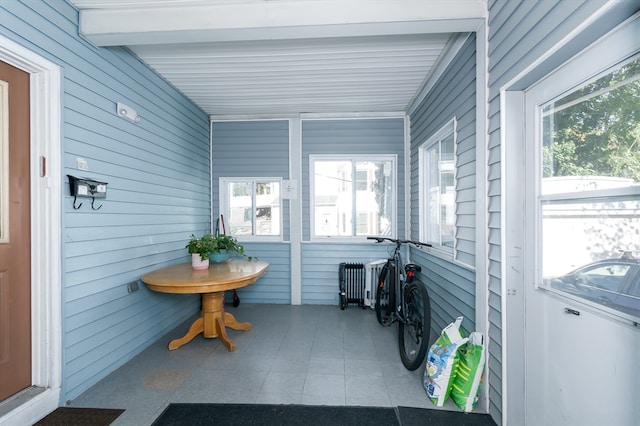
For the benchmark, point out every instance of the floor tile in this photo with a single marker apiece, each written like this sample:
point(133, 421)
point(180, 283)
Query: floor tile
point(314, 355)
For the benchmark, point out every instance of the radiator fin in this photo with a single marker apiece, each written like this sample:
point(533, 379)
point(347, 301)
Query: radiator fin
point(358, 283)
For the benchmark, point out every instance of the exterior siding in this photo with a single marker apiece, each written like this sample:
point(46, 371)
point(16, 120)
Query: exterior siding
point(451, 291)
point(320, 260)
point(352, 136)
point(451, 284)
point(320, 267)
point(158, 192)
point(250, 149)
point(275, 285)
point(257, 148)
point(452, 96)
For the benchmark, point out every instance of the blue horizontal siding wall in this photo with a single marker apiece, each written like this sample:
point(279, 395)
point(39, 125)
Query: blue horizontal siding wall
point(258, 148)
point(452, 290)
point(320, 263)
point(158, 191)
point(451, 284)
point(453, 96)
point(320, 260)
point(275, 285)
point(375, 136)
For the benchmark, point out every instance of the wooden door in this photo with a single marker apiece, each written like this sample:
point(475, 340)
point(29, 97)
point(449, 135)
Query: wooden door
point(15, 243)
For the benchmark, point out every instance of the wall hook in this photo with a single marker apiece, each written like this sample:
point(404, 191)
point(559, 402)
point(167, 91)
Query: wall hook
point(93, 200)
point(74, 203)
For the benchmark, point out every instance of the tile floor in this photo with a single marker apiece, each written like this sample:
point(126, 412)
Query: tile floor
point(307, 354)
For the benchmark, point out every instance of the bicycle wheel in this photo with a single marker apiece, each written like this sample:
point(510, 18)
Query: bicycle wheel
point(385, 300)
point(413, 332)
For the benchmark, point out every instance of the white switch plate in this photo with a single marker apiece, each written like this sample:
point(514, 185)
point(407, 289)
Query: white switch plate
point(82, 164)
point(290, 189)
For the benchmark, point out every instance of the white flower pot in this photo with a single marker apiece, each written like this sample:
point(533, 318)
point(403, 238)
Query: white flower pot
point(198, 263)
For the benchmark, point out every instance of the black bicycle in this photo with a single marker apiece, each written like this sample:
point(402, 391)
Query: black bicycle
point(402, 299)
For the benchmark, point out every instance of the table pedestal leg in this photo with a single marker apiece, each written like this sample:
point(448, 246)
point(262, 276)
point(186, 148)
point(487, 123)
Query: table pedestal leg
point(212, 323)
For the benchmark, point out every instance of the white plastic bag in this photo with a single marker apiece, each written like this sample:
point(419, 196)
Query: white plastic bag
point(441, 363)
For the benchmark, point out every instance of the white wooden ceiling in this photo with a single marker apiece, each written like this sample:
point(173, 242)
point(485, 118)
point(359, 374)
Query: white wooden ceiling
point(284, 57)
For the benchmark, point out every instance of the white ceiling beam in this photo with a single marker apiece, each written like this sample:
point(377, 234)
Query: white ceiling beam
point(189, 21)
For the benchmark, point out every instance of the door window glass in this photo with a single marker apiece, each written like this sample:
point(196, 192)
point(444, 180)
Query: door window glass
point(590, 185)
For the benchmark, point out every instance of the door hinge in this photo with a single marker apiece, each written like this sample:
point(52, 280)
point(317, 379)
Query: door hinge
point(43, 166)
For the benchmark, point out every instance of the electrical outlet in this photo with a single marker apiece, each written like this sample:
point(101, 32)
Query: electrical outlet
point(132, 286)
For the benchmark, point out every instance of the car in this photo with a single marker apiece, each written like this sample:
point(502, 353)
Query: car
point(610, 282)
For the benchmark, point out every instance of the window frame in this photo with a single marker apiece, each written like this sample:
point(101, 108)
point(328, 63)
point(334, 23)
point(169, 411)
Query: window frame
point(449, 128)
point(223, 182)
point(584, 68)
point(393, 158)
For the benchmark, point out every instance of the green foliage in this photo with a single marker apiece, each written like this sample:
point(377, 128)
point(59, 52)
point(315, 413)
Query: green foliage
point(208, 244)
point(595, 131)
point(228, 243)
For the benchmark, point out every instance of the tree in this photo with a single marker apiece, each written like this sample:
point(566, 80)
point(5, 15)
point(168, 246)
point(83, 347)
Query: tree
point(595, 130)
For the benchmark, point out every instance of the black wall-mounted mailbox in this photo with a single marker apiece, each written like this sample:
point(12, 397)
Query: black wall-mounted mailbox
point(84, 187)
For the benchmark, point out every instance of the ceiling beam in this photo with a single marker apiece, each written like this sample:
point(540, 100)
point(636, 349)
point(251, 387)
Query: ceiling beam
point(191, 21)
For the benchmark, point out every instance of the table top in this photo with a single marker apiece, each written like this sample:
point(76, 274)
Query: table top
point(182, 278)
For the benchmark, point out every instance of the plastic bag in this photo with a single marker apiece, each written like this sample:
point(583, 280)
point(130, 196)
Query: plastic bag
point(441, 363)
point(469, 373)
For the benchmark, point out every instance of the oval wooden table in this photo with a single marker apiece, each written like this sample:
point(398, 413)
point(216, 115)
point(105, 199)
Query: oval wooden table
point(211, 283)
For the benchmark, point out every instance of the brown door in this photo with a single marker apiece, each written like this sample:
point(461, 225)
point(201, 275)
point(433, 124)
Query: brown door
point(15, 248)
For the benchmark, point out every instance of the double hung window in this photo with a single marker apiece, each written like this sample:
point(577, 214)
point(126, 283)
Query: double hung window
point(588, 189)
point(437, 188)
point(352, 196)
point(251, 207)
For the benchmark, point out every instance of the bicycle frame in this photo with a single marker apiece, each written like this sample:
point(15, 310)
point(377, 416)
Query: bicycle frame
point(401, 300)
point(403, 275)
point(399, 284)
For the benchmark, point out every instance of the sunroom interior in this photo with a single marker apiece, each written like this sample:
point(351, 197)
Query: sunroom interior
point(293, 123)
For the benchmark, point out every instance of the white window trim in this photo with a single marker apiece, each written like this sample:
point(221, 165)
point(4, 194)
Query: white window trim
point(423, 211)
point(586, 67)
point(222, 182)
point(351, 157)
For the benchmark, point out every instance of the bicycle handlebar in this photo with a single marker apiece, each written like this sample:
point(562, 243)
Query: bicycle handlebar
point(399, 242)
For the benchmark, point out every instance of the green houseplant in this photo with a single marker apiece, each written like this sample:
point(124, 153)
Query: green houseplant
point(227, 243)
point(203, 246)
point(218, 248)
point(224, 246)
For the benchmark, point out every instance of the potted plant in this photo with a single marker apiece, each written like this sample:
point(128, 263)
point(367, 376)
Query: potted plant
point(200, 249)
point(223, 246)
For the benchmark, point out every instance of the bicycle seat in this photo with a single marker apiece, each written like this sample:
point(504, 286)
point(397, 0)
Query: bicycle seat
point(412, 267)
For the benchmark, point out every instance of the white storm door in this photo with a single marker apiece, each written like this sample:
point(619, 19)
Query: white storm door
point(582, 362)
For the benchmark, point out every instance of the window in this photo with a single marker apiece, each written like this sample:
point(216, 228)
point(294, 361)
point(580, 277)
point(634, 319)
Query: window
point(589, 188)
point(437, 188)
point(251, 207)
point(352, 196)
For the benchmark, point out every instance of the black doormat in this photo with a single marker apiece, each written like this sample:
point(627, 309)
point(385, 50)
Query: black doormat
point(68, 416)
point(308, 415)
point(410, 416)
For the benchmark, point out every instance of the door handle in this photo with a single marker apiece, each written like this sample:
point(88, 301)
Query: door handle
point(571, 311)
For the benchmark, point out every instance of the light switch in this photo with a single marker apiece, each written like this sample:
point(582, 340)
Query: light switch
point(82, 164)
